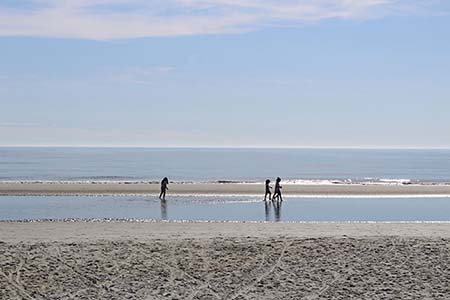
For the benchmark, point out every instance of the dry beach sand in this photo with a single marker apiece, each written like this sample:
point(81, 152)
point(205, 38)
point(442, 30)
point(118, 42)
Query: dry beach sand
point(169, 260)
point(80, 188)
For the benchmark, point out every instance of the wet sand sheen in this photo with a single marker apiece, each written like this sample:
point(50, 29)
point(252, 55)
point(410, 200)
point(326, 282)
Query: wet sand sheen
point(33, 232)
point(57, 188)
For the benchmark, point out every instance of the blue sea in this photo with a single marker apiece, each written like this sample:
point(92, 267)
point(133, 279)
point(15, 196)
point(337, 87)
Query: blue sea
point(225, 165)
point(209, 165)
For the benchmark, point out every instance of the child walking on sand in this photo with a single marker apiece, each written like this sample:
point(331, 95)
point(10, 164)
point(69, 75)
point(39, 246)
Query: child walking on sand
point(277, 192)
point(268, 192)
point(164, 188)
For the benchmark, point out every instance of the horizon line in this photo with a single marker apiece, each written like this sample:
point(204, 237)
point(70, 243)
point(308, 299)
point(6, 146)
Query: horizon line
point(235, 147)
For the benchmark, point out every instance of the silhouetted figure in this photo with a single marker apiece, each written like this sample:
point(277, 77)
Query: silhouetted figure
point(277, 209)
point(164, 188)
point(277, 192)
point(163, 210)
point(268, 192)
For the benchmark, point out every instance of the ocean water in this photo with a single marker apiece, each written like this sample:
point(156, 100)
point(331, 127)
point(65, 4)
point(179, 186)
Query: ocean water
point(225, 208)
point(205, 165)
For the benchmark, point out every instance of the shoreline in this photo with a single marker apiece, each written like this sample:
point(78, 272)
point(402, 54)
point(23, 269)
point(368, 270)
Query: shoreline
point(219, 189)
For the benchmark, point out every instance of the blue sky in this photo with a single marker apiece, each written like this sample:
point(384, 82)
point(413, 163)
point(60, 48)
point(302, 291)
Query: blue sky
point(235, 73)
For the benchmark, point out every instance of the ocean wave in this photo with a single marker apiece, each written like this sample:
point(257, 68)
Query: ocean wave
point(365, 181)
point(92, 181)
point(317, 181)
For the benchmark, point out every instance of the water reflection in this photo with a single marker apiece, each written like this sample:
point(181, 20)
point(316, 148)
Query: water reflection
point(277, 210)
point(163, 210)
point(272, 212)
point(267, 205)
point(225, 208)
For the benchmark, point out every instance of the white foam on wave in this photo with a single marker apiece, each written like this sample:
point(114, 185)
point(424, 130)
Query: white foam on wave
point(78, 182)
point(388, 181)
point(235, 195)
point(316, 181)
point(365, 181)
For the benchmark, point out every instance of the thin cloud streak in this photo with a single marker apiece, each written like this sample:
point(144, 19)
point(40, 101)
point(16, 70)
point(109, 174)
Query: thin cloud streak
point(120, 19)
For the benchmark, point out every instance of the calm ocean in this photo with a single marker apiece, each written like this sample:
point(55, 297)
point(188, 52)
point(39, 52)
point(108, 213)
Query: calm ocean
point(200, 165)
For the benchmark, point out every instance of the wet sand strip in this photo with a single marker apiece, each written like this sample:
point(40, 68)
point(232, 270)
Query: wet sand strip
point(114, 188)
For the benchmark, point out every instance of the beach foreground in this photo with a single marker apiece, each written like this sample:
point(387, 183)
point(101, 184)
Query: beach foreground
point(161, 260)
point(114, 188)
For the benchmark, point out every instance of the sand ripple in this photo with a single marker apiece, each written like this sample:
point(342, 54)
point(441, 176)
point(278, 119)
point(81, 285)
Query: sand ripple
point(228, 268)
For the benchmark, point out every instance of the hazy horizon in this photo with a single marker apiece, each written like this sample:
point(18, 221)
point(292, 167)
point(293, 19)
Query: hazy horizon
point(226, 147)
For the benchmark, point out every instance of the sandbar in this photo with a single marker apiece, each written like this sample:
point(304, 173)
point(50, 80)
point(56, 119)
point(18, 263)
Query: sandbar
point(114, 188)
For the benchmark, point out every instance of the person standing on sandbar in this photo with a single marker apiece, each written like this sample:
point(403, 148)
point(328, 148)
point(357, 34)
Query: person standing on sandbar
point(164, 188)
point(277, 191)
point(268, 192)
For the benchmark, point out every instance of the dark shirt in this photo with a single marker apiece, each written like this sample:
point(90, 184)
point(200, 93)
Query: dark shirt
point(277, 188)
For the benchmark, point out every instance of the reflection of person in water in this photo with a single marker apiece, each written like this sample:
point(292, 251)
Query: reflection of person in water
point(277, 209)
point(268, 192)
point(163, 210)
point(164, 188)
point(277, 192)
point(267, 210)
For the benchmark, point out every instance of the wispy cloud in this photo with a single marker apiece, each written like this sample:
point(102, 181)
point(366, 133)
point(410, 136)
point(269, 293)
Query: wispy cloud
point(19, 124)
point(116, 19)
